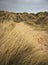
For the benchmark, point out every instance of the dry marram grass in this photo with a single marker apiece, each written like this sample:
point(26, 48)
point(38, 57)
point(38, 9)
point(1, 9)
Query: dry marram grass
point(21, 44)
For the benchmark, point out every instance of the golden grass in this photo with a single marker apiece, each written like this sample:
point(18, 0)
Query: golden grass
point(20, 44)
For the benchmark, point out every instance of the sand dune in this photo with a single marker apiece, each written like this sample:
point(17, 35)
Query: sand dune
point(20, 44)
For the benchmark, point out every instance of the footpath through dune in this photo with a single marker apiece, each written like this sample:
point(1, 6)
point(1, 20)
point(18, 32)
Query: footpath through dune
point(35, 37)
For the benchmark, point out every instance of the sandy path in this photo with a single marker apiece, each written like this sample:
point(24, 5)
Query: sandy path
point(32, 36)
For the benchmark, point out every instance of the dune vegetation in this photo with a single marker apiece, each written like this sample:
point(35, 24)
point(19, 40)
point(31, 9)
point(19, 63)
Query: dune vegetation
point(23, 38)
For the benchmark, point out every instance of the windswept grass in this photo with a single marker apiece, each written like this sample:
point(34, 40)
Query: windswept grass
point(23, 41)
